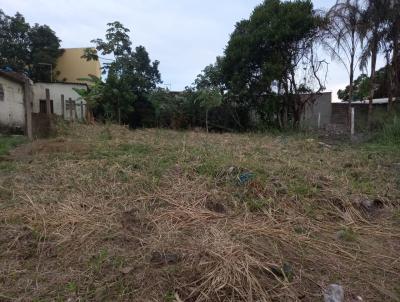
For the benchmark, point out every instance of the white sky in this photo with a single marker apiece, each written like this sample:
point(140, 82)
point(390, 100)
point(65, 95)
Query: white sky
point(184, 35)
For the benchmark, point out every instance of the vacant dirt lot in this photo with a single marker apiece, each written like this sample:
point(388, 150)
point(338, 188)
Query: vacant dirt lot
point(108, 214)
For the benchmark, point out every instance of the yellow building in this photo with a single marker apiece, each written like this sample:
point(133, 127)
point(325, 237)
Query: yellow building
point(71, 67)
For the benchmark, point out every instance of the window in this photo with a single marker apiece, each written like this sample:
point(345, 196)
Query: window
point(1, 93)
point(43, 107)
point(68, 105)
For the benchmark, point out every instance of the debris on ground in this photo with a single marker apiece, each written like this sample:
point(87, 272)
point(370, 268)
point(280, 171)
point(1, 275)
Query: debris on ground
point(246, 177)
point(215, 206)
point(369, 204)
point(164, 258)
point(334, 293)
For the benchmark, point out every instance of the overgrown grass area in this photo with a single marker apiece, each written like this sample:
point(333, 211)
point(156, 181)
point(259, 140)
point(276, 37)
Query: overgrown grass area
point(390, 134)
point(104, 213)
point(9, 142)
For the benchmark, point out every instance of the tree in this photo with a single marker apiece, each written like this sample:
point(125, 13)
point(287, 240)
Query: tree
point(23, 48)
point(342, 39)
point(362, 86)
point(360, 89)
point(93, 95)
point(372, 30)
point(131, 75)
point(208, 99)
point(14, 41)
point(393, 46)
point(263, 61)
point(211, 77)
point(44, 50)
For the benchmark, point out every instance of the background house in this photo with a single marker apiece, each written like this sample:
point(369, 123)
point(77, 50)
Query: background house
point(71, 66)
point(12, 108)
point(55, 92)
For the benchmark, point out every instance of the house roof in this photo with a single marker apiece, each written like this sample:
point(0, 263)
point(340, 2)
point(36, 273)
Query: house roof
point(65, 83)
point(13, 76)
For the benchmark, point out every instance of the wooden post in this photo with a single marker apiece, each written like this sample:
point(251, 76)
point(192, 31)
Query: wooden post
point(319, 120)
point(70, 110)
point(352, 121)
point(28, 97)
point(48, 105)
point(62, 106)
point(82, 111)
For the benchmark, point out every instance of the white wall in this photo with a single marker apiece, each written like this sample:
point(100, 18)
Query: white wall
point(12, 110)
point(56, 90)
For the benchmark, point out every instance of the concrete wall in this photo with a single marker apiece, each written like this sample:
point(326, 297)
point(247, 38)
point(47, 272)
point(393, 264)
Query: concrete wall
point(340, 113)
point(56, 90)
point(320, 106)
point(12, 109)
point(71, 67)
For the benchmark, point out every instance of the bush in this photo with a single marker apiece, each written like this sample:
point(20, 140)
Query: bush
point(390, 133)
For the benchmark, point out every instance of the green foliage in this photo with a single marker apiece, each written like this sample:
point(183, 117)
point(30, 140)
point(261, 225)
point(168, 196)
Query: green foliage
point(169, 296)
point(9, 142)
point(390, 133)
point(96, 262)
point(347, 234)
point(257, 205)
point(360, 91)
point(94, 94)
point(208, 99)
point(262, 59)
point(361, 86)
point(72, 287)
point(131, 75)
point(28, 49)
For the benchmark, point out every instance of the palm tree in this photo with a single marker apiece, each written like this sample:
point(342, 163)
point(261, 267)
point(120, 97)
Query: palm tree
point(342, 38)
point(372, 31)
point(393, 46)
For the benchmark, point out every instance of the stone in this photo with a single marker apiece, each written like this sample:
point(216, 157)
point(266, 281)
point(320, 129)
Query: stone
point(215, 206)
point(164, 258)
point(367, 204)
point(334, 293)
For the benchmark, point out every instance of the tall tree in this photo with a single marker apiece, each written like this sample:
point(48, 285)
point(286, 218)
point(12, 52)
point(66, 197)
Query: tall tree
point(44, 50)
point(263, 57)
point(342, 38)
point(14, 41)
point(372, 30)
point(23, 48)
point(393, 46)
point(131, 75)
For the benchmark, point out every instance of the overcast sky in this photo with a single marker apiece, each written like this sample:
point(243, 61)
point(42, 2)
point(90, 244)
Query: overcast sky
point(184, 35)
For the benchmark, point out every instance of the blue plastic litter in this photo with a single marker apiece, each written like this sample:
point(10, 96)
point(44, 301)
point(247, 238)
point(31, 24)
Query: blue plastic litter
point(246, 177)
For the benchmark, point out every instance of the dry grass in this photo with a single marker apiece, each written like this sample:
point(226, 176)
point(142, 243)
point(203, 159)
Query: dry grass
point(105, 213)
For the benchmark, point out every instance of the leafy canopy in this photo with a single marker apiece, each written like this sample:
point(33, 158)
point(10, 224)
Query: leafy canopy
point(28, 49)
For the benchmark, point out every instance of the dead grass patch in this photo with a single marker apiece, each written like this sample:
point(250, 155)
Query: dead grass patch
point(158, 215)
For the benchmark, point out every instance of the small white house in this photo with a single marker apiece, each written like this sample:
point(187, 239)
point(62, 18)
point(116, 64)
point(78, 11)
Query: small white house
point(56, 91)
point(12, 108)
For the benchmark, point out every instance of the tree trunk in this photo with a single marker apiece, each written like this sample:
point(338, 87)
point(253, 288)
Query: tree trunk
point(396, 65)
point(350, 92)
point(351, 88)
point(119, 112)
point(207, 120)
point(372, 83)
point(389, 70)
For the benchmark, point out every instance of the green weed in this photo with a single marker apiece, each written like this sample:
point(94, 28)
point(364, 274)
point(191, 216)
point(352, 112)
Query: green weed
point(9, 142)
point(347, 234)
point(97, 261)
